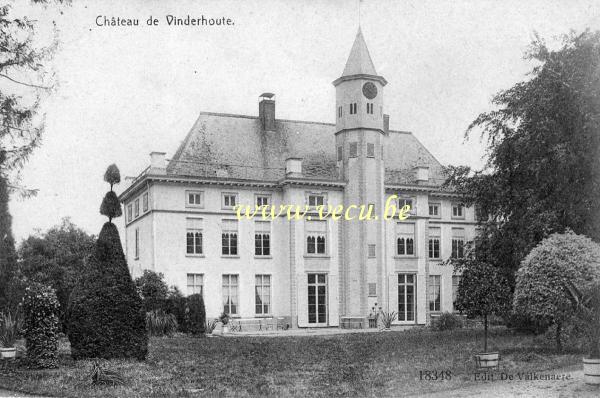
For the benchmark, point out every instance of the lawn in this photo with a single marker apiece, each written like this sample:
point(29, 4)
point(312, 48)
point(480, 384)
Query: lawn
point(361, 364)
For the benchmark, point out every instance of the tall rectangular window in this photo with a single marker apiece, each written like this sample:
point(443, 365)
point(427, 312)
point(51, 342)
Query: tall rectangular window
point(353, 150)
point(229, 200)
point(372, 289)
point(434, 210)
point(129, 212)
point(372, 250)
point(316, 237)
point(458, 242)
point(458, 211)
point(455, 284)
point(434, 243)
point(137, 207)
point(340, 153)
point(230, 294)
point(353, 108)
point(406, 297)
point(262, 294)
point(229, 238)
point(339, 111)
point(194, 198)
point(145, 202)
point(262, 238)
point(370, 108)
point(193, 236)
point(434, 290)
point(195, 284)
point(137, 243)
point(405, 239)
point(370, 150)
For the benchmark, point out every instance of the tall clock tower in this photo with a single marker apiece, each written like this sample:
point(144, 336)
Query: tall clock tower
point(359, 148)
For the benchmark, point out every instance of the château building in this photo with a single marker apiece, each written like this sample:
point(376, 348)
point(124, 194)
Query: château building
point(180, 218)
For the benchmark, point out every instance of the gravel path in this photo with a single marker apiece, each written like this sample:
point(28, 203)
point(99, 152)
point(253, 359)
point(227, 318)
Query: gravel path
point(574, 387)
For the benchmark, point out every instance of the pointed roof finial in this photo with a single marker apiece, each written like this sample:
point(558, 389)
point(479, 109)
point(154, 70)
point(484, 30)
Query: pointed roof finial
point(359, 62)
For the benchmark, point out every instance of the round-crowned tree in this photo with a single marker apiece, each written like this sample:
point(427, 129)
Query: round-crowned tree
point(559, 260)
point(106, 318)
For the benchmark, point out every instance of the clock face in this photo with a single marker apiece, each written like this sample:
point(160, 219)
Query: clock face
point(369, 90)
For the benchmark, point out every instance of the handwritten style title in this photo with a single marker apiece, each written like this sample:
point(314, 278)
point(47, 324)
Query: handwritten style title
point(170, 20)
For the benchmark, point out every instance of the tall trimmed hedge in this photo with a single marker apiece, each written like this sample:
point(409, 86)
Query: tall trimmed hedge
point(196, 314)
point(105, 315)
point(41, 326)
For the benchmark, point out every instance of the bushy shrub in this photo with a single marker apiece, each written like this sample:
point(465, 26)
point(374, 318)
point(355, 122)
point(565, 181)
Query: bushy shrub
point(41, 326)
point(153, 290)
point(159, 323)
point(105, 314)
point(176, 304)
point(448, 321)
point(196, 314)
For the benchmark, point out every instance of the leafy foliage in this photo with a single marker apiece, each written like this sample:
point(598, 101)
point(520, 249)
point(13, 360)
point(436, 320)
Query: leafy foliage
point(587, 308)
point(541, 291)
point(111, 207)
point(176, 304)
point(99, 376)
point(112, 175)
point(56, 258)
point(153, 290)
point(160, 323)
point(105, 315)
point(387, 318)
point(448, 321)
point(543, 167)
point(8, 255)
point(210, 325)
point(41, 326)
point(196, 314)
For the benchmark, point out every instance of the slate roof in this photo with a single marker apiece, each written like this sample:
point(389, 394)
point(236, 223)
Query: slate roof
point(235, 146)
point(359, 60)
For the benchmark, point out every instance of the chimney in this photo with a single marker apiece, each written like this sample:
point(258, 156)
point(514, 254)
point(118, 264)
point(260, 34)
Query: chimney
point(158, 164)
point(266, 111)
point(421, 174)
point(293, 167)
point(386, 124)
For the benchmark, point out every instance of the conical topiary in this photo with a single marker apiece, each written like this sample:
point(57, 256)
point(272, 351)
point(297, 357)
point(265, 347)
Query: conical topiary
point(105, 314)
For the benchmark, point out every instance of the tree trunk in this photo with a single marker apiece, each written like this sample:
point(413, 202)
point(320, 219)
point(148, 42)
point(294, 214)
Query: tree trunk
point(558, 343)
point(485, 332)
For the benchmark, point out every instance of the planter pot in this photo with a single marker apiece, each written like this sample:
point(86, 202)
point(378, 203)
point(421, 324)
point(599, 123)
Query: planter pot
point(386, 329)
point(487, 360)
point(591, 370)
point(8, 352)
point(225, 329)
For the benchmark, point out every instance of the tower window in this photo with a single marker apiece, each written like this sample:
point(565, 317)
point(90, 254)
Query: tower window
point(370, 108)
point(353, 149)
point(370, 150)
point(340, 150)
point(339, 111)
point(353, 108)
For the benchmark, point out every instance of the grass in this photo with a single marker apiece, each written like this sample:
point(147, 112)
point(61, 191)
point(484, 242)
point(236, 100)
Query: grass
point(365, 364)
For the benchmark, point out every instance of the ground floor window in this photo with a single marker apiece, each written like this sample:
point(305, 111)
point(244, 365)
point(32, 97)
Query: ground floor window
point(263, 294)
point(406, 297)
point(455, 283)
point(230, 294)
point(317, 298)
point(195, 283)
point(434, 291)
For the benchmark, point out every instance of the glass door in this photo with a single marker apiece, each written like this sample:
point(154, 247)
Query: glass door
point(406, 297)
point(317, 299)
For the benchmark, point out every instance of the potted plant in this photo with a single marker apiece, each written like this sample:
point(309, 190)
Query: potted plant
point(587, 308)
point(386, 320)
point(9, 328)
point(224, 318)
point(482, 291)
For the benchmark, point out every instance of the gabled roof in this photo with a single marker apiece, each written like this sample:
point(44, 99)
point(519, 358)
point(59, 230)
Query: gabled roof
point(236, 146)
point(359, 62)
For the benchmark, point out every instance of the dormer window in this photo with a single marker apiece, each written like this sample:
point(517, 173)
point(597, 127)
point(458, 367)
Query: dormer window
point(353, 108)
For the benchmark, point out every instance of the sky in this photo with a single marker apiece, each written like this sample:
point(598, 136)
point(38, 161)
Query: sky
point(123, 92)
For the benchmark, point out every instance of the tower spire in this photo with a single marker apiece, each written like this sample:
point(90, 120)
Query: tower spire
point(359, 62)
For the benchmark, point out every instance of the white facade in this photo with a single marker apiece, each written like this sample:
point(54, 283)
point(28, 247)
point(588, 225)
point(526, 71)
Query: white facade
point(313, 273)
